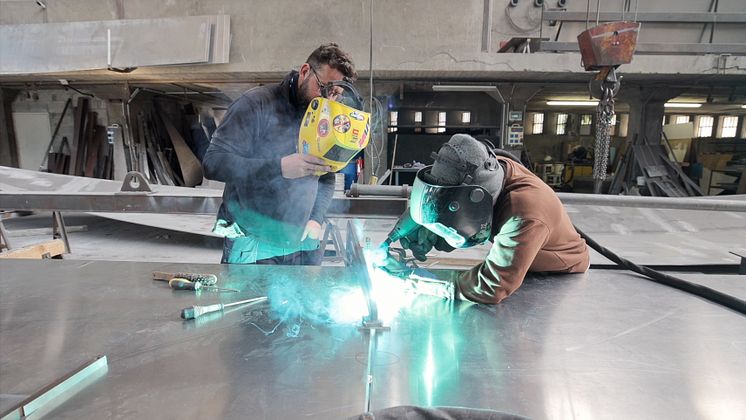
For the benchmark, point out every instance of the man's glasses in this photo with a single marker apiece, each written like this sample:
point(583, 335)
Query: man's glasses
point(330, 90)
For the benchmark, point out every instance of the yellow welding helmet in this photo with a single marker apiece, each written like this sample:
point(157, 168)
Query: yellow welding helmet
point(333, 131)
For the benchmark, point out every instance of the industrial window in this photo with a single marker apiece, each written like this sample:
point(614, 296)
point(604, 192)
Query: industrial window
point(417, 121)
point(465, 117)
point(704, 126)
point(561, 124)
point(537, 123)
point(585, 124)
point(441, 122)
point(613, 127)
point(728, 126)
point(623, 124)
point(393, 121)
point(680, 119)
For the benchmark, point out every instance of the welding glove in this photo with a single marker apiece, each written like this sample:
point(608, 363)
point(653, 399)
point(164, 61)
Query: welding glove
point(420, 241)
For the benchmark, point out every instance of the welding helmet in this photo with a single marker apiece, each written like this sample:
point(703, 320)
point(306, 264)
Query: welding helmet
point(335, 130)
point(454, 197)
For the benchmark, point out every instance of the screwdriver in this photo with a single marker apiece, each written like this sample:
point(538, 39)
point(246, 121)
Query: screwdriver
point(178, 283)
point(194, 312)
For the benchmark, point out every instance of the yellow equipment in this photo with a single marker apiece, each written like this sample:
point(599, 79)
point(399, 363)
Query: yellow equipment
point(333, 131)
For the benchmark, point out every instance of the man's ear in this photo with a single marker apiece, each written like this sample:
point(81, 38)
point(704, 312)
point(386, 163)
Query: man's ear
point(304, 71)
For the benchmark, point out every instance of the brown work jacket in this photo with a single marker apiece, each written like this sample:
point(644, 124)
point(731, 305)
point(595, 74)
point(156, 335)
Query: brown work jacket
point(531, 231)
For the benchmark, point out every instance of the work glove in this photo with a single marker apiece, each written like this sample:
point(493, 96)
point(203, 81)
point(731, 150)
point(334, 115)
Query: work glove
point(420, 241)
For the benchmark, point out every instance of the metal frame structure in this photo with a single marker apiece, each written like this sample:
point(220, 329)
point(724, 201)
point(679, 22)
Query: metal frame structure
point(558, 17)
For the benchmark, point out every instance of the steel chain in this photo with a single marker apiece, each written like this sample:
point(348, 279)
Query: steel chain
point(604, 116)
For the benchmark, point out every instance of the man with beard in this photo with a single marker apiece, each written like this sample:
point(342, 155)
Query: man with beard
point(275, 198)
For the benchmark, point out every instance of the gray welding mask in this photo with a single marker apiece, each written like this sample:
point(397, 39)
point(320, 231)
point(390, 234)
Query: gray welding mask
point(460, 214)
point(454, 197)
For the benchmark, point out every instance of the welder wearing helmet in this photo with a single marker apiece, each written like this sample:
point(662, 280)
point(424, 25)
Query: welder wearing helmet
point(470, 196)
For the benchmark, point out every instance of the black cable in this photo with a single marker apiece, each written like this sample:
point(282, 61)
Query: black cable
point(79, 91)
point(704, 292)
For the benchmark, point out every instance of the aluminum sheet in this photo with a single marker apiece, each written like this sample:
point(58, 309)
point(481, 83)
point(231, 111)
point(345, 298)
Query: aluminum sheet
point(75, 46)
point(30, 190)
point(599, 345)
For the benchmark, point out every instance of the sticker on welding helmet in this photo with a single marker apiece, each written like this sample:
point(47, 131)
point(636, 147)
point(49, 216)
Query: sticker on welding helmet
point(323, 129)
point(308, 118)
point(342, 123)
point(314, 104)
point(365, 135)
point(356, 115)
point(305, 147)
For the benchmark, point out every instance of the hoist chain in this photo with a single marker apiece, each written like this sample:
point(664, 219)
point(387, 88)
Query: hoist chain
point(604, 118)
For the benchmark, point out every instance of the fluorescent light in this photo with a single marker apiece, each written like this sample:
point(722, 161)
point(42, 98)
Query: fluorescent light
point(743, 106)
point(681, 105)
point(464, 88)
point(572, 103)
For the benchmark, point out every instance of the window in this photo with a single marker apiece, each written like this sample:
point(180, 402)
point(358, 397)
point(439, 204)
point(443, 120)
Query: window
point(680, 119)
point(585, 124)
point(393, 121)
point(623, 124)
point(537, 123)
point(728, 126)
point(465, 117)
point(441, 122)
point(561, 124)
point(704, 126)
point(417, 121)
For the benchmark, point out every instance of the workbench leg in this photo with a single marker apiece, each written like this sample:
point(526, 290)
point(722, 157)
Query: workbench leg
point(4, 242)
point(59, 231)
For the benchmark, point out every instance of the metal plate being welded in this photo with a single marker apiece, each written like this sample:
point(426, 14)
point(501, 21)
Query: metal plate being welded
point(600, 345)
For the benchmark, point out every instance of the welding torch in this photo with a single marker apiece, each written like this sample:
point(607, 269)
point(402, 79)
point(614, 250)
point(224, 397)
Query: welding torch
point(394, 262)
point(403, 227)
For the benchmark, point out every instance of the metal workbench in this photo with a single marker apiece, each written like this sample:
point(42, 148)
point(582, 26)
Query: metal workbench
point(605, 344)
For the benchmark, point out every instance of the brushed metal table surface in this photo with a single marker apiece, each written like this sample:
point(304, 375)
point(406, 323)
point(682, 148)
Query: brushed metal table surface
point(605, 344)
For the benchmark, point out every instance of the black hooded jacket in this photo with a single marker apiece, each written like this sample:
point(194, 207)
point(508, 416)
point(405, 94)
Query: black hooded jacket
point(258, 130)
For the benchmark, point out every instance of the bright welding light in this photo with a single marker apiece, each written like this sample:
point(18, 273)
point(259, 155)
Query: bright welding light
point(376, 256)
point(390, 293)
point(347, 306)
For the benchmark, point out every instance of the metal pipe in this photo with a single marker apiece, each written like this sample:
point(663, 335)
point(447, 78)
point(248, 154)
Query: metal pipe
point(356, 190)
point(672, 203)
